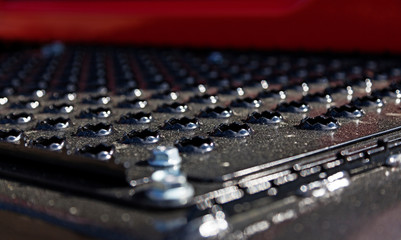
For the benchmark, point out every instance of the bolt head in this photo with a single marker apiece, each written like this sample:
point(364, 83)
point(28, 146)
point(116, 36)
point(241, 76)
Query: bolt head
point(165, 157)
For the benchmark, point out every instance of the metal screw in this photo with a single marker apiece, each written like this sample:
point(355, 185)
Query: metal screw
point(394, 160)
point(165, 157)
point(170, 188)
point(213, 225)
point(210, 226)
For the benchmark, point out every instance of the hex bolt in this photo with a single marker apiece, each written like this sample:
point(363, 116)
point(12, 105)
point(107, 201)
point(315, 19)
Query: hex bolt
point(170, 188)
point(165, 157)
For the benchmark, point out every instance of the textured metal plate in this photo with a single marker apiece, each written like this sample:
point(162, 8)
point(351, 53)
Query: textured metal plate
point(258, 168)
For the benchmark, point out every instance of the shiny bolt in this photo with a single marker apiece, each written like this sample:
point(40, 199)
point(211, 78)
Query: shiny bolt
point(170, 188)
point(165, 157)
point(394, 160)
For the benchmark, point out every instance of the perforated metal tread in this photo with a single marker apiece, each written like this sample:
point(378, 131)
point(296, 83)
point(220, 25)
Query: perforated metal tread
point(274, 123)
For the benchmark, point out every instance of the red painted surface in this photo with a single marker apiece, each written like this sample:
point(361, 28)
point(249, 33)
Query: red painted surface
point(347, 25)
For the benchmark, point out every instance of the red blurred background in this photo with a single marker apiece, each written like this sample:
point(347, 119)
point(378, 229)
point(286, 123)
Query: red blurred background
point(342, 25)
